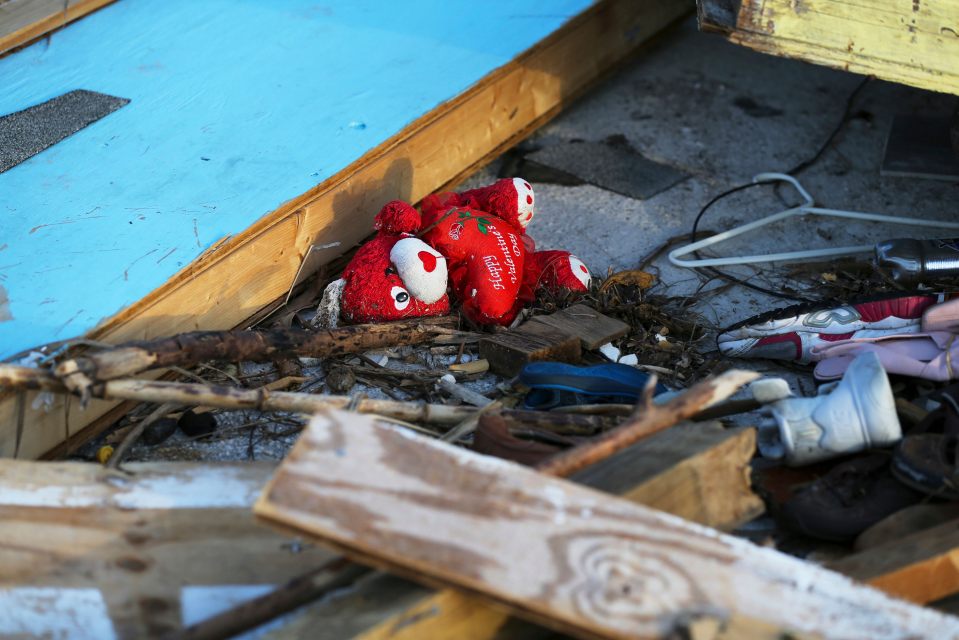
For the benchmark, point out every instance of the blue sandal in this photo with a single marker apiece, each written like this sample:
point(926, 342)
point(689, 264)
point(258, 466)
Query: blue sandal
point(555, 384)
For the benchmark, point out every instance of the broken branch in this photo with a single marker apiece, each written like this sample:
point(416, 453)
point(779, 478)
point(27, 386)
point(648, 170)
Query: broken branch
point(187, 349)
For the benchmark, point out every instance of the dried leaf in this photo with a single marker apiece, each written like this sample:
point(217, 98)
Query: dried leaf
point(632, 277)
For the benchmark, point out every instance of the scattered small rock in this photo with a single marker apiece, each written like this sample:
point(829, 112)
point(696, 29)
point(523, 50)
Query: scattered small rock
point(197, 425)
point(340, 380)
point(159, 431)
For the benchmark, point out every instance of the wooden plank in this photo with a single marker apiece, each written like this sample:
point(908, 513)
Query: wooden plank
point(134, 544)
point(921, 567)
point(906, 41)
point(242, 274)
point(589, 325)
point(508, 351)
point(24, 20)
point(653, 472)
point(553, 551)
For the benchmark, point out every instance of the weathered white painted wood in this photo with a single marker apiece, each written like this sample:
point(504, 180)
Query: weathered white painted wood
point(90, 553)
point(553, 551)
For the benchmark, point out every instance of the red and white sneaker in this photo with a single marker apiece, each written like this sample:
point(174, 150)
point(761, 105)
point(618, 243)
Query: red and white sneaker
point(790, 333)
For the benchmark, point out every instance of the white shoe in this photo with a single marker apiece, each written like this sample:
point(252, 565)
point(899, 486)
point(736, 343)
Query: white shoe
point(854, 414)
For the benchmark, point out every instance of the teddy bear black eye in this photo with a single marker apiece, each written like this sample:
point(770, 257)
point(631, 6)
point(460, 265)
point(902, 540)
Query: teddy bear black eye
point(401, 298)
point(390, 271)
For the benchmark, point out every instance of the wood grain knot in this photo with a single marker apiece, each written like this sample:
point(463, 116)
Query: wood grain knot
point(132, 564)
point(610, 577)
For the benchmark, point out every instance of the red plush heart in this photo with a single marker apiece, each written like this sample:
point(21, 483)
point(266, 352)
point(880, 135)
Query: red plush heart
point(428, 260)
point(486, 255)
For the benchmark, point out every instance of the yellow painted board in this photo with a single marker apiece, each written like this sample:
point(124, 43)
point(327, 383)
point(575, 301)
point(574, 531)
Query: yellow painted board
point(913, 42)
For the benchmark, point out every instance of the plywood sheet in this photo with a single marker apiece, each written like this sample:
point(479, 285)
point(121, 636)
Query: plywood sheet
point(234, 109)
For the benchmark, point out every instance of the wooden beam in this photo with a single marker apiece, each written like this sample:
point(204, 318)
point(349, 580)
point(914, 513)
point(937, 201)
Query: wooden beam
point(906, 41)
point(22, 21)
point(699, 472)
point(135, 542)
point(921, 567)
point(552, 551)
point(250, 270)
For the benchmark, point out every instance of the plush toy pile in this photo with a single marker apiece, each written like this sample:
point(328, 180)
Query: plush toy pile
point(473, 244)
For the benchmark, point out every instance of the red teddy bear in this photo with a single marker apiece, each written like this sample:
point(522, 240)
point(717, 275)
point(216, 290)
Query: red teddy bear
point(475, 241)
point(494, 267)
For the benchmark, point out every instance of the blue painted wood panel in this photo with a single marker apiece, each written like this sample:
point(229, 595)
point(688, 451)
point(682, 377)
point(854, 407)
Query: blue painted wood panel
point(236, 107)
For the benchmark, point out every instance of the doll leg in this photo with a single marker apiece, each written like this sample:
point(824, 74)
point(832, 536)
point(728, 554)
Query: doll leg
point(556, 271)
point(511, 199)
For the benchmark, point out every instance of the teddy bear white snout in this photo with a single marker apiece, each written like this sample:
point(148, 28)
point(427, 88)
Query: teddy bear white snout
point(421, 268)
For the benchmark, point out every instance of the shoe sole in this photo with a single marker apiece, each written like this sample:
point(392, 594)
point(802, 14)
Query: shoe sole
point(792, 318)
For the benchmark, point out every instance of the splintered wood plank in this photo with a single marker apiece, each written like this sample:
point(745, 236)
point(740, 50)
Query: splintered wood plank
point(589, 325)
point(125, 551)
point(566, 556)
point(24, 20)
point(921, 567)
point(240, 275)
point(906, 41)
point(508, 351)
point(696, 471)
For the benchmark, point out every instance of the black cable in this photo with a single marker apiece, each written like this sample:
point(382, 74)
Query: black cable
point(805, 164)
point(799, 168)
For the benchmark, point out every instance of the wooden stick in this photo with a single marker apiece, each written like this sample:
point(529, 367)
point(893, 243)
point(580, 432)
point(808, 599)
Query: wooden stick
point(561, 423)
point(231, 398)
point(468, 424)
point(264, 400)
point(223, 397)
point(29, 378)
point(713, 412)
point(187, 349)
point(137, 431)
point(651, 419)
point(308, 587)
point(466, 395)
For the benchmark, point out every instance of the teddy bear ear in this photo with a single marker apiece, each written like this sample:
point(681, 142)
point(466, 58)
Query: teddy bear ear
point(397, 217)
point(421, 268)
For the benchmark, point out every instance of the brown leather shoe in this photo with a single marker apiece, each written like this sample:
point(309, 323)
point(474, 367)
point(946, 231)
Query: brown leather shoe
point(850, 498)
